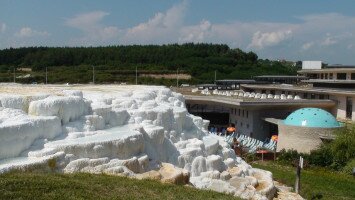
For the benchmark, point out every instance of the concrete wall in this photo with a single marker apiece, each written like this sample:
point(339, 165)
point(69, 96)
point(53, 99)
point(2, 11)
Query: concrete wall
point(302, 139)
point(341, 113)
point(244, 124)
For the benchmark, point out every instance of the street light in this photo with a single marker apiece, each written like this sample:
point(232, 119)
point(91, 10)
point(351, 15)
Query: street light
point(14, 74)
point(93, 74)
point(136, 76)
point(46, 76)
point(177, 78)
point(215, 76)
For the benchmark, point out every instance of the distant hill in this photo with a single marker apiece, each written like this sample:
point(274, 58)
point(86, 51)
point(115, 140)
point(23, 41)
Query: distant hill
point(118, 63)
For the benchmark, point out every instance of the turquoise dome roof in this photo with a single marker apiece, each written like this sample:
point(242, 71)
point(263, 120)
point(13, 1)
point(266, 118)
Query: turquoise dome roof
point(312, 117)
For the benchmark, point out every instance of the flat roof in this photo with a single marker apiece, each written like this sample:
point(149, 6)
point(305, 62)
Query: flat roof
point(301, 89)
point(272, 120)
point(207, 85)
point(329, 81)
point(236, 80)
point(260, 103)
point(340, 66)
point(326, 70)
point(280, 76)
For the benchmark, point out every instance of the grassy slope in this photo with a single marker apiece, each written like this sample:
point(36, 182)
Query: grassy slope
point(88, 186)
point(330, 185)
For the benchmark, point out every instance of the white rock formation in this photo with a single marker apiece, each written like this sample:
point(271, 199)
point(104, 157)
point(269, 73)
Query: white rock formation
point(136, 131)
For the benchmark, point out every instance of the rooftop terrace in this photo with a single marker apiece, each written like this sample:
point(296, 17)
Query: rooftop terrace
point(239, 98)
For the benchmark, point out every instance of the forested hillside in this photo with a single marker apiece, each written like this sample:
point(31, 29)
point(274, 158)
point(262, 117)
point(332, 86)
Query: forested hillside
point(118, 63)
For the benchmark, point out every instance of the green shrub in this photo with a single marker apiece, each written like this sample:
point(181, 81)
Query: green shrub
point(348, 169)
point(337, 154)
point(343, 147)
point(321, 157)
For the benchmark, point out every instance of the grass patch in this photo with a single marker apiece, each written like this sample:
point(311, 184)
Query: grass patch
point(89, 186)
point(314, 182)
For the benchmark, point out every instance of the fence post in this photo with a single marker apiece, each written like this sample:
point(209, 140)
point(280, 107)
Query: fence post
point(298, 175)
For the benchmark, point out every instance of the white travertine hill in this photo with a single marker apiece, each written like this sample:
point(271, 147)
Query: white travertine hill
point(135, 131)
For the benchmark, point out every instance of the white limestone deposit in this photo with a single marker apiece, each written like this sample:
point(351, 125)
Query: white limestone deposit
point(135, 131)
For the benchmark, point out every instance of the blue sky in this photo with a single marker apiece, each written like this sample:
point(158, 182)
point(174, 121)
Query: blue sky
point(283, 29)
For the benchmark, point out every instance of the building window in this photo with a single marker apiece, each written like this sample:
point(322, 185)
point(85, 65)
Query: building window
point(247, 114)
point(241, 124)
point(352, 76)
point(349, 107)
point(326, 76)
point(321, 76)
point(239, 112)
point(321, 96)
point(247, 125)
point(243, 113)
point(263, 91)
point(283, 92)
point(331, 76)
point(305, 95)
point(272, 92)
point(341, 76)
point(313, 96)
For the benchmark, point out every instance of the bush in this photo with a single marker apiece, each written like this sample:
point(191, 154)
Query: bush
point(343, 147)
point(348, 169)
point(338, 154)
point(321, 157)
point(291, 157)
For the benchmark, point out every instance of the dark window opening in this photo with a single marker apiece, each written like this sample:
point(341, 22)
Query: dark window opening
point(352, 76)
point(341, 76)
point(349, 107)
point(313, 96)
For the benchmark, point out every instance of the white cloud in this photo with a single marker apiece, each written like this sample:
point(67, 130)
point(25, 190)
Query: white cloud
point(261, 40)
point(318, 36)
point(27, 32)
point(197, 33)
point(328, 41)
point(94, 31)
point(307, 45)
point(161, 28)
point(2, 27)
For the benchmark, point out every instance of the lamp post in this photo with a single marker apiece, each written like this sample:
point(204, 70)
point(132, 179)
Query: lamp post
point(14, 74)
point(93, 74)
point(215, 76)
point(177, 78)
point(46, 75)
point(136, 76)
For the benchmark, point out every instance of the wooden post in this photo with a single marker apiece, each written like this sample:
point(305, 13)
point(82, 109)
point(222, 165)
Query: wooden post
point(298, 175)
